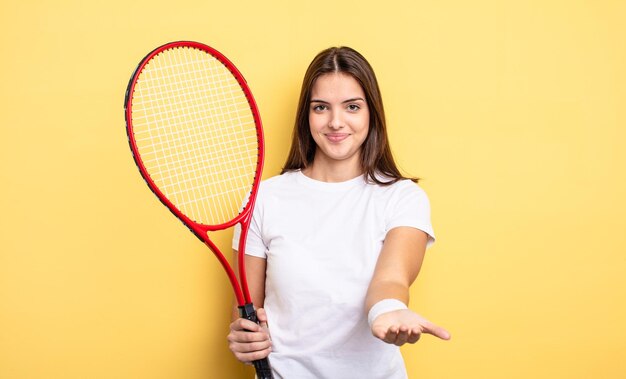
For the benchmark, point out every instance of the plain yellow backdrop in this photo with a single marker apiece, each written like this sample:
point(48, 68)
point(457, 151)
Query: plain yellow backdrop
point(512, 112)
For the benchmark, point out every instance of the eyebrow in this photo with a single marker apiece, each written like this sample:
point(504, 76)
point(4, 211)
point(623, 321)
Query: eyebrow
point(343, 102)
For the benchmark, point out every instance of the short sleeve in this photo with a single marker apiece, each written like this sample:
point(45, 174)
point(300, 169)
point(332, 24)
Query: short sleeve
point(409, 206)
point(254, 242)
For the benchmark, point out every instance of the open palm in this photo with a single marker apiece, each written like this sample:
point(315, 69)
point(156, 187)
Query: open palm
point(405, 326)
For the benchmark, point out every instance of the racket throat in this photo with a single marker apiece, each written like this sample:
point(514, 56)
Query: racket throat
point(248, 312)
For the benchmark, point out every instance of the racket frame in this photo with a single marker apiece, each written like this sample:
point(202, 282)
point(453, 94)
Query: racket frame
point(240, 287)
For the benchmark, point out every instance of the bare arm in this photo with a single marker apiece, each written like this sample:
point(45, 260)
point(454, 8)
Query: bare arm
point(247, 340)
point(398, 265)
point(255, 274)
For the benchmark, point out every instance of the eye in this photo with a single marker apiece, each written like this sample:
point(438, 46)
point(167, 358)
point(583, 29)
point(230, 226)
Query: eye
point(353, 107)
point(319, 108)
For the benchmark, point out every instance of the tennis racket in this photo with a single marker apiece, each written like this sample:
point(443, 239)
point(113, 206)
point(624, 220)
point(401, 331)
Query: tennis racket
point(196, 136)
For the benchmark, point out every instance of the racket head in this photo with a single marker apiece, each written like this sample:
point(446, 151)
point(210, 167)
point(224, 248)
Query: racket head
point(196, 135)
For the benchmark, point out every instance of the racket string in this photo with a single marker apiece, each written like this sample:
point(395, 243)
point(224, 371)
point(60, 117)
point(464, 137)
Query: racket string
point(199, 145)
point(236, 202)
point(207, 211)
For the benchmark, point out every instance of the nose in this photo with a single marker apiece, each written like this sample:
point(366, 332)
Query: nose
point(335, 121)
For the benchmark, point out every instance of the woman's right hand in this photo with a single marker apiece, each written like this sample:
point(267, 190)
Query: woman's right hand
point(248, 340)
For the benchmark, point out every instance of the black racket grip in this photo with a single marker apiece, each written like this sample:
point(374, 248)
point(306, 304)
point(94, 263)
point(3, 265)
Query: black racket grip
point(262, 366)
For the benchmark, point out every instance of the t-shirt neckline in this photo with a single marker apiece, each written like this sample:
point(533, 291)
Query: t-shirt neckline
point(329, 186)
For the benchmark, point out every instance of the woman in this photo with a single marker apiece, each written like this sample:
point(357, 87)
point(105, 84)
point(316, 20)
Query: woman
point(336, 239)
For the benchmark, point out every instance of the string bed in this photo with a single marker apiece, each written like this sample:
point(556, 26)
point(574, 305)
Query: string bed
point(195, 134)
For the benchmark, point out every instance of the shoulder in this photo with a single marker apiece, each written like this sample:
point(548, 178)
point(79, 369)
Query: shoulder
point(278, 181)
point(410, 188)
point(401, 190)
point(408, 205)
point(277, 186)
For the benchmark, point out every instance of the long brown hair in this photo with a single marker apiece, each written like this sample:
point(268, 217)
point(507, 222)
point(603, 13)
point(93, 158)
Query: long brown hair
point(376, 155)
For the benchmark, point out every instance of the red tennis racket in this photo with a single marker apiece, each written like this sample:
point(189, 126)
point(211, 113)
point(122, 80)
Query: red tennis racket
point(196, 136)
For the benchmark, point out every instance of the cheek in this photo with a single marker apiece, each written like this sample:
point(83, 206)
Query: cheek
point(314, 129)
point(364, 124)
point(316, 123)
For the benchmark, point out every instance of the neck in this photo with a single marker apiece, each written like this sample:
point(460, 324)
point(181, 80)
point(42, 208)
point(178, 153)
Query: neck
point(331, 171)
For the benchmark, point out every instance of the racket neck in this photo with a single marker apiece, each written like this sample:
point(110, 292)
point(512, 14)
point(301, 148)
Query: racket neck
point(232, 277)
point(241, 254)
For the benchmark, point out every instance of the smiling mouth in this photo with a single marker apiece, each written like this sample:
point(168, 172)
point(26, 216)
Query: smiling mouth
point(336, 137)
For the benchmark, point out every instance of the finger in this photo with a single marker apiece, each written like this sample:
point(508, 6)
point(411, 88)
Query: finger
point(414, 335)
point(379, 332)
point(250, 347)
point(391, 335)
point(243, 324)
point(402, 337)
point(262, 316)
point(252, 356)
point(243, 330)
point(436, 331)
point(247, 337)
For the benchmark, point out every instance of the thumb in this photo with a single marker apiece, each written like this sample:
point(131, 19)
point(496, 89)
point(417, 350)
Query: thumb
point(436, 331)
point(262, 317)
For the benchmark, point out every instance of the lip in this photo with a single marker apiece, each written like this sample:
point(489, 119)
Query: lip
point(336, 137)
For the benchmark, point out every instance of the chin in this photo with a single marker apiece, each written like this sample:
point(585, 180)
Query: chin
point(340, 155)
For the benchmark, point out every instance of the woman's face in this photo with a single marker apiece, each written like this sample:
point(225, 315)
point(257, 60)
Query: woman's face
point(338, 118)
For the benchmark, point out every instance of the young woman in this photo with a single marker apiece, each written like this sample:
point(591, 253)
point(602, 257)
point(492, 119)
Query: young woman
point(336, 239)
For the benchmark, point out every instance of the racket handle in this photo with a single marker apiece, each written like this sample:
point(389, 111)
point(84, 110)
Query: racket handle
point(263, 369)
point(262, 366)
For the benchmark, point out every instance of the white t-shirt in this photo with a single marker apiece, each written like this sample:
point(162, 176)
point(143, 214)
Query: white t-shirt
point(321, 241)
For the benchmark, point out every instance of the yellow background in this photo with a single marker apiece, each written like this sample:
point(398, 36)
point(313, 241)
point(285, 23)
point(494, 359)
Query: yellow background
point(512, 112)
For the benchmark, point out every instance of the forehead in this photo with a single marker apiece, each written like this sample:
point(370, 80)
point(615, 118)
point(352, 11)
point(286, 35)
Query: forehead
point(336, 84)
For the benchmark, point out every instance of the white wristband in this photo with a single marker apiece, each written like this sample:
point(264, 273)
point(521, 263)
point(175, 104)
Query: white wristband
point(384, 306)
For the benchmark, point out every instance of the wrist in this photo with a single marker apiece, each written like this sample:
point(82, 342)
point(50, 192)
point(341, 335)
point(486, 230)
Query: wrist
point(384, 306)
